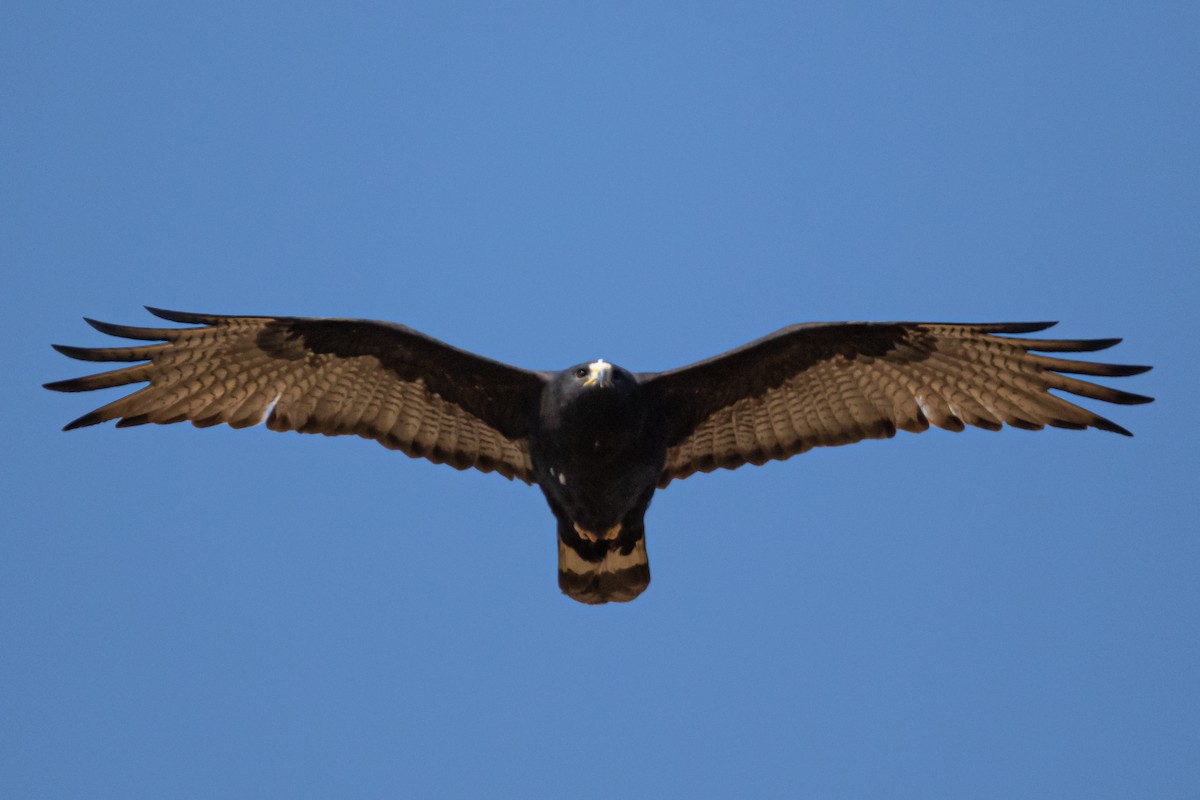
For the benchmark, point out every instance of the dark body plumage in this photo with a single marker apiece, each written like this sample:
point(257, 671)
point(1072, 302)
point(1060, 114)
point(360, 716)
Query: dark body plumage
point(598, 451)
point(597, 439)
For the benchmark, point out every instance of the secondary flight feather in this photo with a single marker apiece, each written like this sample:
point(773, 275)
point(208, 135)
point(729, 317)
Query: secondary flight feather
point(596, 439)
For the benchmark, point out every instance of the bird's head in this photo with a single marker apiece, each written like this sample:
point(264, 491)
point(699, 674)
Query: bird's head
point(591, 385)
point(597, 378)
point(598, 374)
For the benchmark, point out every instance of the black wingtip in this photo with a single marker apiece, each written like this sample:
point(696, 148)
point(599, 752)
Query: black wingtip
point(112, 329)
point(77, 353)
point(1025, 327)
point(91, 418)
point(68, 385)
point(1110, 426)
point(131, 332)
point(184, 317)
point(1091, 368)
point(167, 314)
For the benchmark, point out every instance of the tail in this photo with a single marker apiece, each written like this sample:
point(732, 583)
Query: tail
point(603, 571)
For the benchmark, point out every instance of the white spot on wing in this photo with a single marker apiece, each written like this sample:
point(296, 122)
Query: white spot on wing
point(562, 479)
point(270, 408)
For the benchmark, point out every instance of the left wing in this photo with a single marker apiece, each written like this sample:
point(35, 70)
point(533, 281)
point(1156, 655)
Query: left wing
point(823, 384)
point(381, 381)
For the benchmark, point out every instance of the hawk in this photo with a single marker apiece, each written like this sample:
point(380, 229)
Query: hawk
point(597, 439)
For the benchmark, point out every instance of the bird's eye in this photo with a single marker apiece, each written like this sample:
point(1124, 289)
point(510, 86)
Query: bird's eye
point(581, 372)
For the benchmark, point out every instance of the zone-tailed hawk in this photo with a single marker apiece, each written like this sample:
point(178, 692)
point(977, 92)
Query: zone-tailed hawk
point(598, 440)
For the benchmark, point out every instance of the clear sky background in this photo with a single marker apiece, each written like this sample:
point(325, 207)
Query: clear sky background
point(229, 614)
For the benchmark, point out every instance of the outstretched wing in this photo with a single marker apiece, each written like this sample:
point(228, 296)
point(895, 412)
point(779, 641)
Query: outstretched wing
point(377, 380)
point(825, 384)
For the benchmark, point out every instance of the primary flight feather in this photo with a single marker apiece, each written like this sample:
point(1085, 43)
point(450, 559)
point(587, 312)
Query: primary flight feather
point(597, 439)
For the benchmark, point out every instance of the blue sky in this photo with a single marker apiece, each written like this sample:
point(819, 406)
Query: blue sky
point(227, 613)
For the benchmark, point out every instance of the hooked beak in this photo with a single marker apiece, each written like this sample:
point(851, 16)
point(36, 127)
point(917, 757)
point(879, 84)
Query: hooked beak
point(599, 374)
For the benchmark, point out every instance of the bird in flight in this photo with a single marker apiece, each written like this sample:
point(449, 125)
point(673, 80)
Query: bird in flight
point(596, 439)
